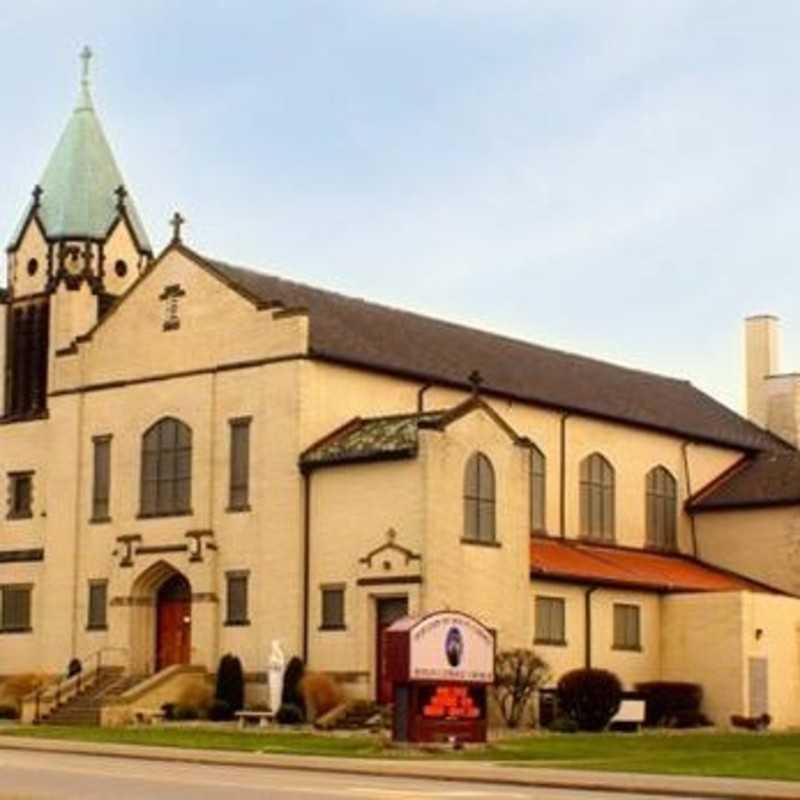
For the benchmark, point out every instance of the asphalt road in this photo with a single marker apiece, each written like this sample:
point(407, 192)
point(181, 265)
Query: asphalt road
point(35, 776)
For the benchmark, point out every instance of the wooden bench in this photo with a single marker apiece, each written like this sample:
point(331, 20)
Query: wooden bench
point(630, 713)
point(149, 716)
point(263, 718)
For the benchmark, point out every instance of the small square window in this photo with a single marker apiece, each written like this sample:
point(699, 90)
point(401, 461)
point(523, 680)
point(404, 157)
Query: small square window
point(550, 621)
point(332, 608)
point(627, 627)
point(98, 603)
point(15, 608)
point(237, 598)
point(20, 495)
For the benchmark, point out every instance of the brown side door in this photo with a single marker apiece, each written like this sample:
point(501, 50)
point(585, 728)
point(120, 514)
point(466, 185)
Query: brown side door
point(388, 610)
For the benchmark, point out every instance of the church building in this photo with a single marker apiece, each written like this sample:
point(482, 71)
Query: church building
point(202, 458)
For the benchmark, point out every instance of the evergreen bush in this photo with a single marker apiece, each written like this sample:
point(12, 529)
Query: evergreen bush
point(291, 694)
point(590, 696)
point(230, 682)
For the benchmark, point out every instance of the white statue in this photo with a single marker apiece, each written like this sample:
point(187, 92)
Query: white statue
point(277, 663)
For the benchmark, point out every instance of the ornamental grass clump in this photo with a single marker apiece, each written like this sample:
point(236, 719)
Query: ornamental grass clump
point(591, 697)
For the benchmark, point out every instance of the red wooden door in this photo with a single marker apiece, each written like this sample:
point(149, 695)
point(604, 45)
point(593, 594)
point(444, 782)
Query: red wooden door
point(173, 623)
point(388, 611)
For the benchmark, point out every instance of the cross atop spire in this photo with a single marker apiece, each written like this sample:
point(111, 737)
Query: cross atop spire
point(86, 57)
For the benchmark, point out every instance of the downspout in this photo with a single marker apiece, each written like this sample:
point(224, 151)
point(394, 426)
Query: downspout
point(421, 397)
point(306, 558)
point(688, 476)
point(587, 618)
point(563, 486)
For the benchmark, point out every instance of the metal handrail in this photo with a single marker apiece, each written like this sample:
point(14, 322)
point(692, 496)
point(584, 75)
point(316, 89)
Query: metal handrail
point(62, 690)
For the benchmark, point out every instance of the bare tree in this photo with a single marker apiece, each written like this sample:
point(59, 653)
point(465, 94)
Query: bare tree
point(518, 674)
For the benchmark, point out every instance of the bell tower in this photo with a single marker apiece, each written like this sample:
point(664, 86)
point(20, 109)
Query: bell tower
point(79, 245)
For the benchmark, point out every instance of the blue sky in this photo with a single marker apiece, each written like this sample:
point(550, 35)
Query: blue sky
point(615, 178)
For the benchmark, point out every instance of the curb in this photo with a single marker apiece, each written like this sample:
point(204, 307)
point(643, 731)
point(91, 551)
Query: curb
point(431, 771)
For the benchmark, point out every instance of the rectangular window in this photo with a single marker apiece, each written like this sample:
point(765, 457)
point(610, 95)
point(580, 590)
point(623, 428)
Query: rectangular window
point(237, 598)
point(550, 621)
point(240, 465)
point(101, 488)
point(627, 627)
point(20, 495)
point(332, 608)
point(15, 608)
point(98, 602)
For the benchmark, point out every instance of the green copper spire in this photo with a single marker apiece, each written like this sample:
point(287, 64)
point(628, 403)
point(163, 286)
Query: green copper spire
point(78, 198)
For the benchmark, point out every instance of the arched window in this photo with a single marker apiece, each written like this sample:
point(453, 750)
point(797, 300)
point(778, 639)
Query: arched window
point(662, 509)
point(166, 469)
point(479, 499)
point(597, 498)
point(538, 494)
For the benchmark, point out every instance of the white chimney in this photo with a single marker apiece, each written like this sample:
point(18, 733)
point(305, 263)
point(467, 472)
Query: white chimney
point(762, 359)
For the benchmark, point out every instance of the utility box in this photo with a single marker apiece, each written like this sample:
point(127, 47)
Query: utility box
point(440, 667)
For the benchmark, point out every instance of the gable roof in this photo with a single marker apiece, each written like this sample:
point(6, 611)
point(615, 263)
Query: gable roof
point(769, 479)
point(358, 333)
point(79, 183)
point(565, 560)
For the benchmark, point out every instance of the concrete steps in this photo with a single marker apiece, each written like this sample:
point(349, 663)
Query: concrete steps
point(85, 708)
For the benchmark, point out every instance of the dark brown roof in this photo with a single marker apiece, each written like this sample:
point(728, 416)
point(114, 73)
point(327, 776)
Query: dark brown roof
point(355, 332)
point(768, 479)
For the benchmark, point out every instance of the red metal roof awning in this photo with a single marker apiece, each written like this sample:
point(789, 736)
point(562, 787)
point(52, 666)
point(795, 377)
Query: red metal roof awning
point(614, 566)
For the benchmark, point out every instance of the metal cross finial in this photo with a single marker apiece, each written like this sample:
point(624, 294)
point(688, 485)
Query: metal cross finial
point(37, 195)
point(121, 192)
point(86, 57)
point(176, 222)
point(476, 379)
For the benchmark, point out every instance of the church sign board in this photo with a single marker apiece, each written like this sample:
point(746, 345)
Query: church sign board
point(440, 666)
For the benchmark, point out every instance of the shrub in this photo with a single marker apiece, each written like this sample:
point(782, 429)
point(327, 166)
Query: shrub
point(197, 696)
point(185, 713)
point(289, 714)
point(74, 667)
point(169, 711)
point(219, 711)
point(230, 682)
point(590, 696)
point(689, 719)
point(320, 693)
point(518, 674)
point(291, 694)
point(16, 687)
point(563, 724)
point(668, 701)
point(9, 712)
point(751, 723)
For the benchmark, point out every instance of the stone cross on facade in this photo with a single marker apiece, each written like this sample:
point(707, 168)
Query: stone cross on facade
point(177, 223)
point(170, 297)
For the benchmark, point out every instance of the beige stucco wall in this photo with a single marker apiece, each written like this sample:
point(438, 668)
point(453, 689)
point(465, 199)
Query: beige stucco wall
point(630, 666)
point(353, 509)
point(709, 639)
point(763, 543)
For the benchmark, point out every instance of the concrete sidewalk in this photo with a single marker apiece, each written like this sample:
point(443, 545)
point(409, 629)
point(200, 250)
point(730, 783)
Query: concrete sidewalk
point(469, 771)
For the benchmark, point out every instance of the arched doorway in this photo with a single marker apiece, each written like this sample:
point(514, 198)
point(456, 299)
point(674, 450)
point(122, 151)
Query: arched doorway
point(173, 622)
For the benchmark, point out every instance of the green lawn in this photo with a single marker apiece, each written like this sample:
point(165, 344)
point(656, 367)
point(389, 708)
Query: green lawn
point(743, 755)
